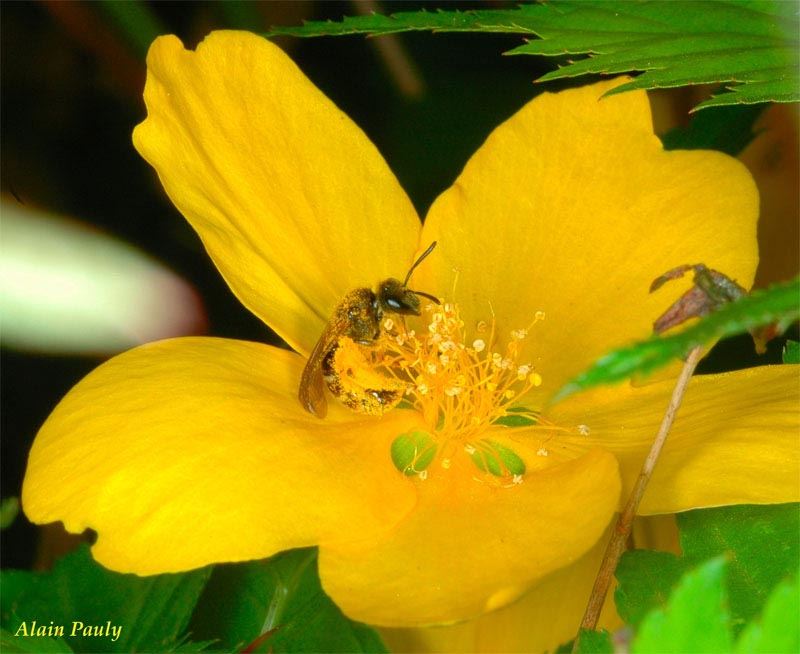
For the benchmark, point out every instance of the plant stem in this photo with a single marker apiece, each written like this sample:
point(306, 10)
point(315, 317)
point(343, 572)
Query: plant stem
point(624, 524)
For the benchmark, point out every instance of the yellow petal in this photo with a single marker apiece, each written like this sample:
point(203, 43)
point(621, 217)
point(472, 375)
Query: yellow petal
point(545, 617)
point(735, 439)
point(572, 207)
point(471, 547)
point(292, 201)
point(194, 451)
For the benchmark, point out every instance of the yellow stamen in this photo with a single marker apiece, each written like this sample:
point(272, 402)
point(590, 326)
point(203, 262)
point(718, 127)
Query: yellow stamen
point(460, 383)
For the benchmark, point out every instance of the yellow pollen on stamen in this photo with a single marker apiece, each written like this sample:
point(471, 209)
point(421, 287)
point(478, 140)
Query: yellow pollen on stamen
point(460, 383)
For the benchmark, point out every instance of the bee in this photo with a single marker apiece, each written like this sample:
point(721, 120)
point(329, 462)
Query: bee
point(358, 317)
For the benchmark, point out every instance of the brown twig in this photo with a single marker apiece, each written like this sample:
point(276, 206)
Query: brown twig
point(394, 55)
point(624, 524)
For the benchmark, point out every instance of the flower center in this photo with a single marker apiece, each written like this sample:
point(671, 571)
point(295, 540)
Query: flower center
point(461, 383)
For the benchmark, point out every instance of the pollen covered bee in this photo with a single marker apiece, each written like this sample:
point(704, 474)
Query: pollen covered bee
point(358, 317)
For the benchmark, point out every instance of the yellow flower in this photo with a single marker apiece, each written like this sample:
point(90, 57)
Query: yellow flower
point(194, 451)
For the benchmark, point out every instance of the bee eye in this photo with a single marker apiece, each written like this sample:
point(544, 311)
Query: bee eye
point(393, 303)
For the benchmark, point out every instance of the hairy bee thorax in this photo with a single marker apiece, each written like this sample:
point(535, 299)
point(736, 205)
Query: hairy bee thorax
point(358, 311)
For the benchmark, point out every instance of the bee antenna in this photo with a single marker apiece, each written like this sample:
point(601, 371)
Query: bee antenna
point(432, 298)
point(417, 262)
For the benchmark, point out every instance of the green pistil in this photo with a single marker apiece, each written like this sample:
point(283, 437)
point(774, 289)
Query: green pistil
point(413, 452)
point(496, 459)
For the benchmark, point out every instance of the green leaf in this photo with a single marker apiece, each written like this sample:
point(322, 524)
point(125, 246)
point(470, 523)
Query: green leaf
point(152, 612)
point(750, 45)
point(13, 644)
point(778, 630)
point(778, 304)
point(191, 647)
point(695, 618)
point(726, 129)
point(645, 580)
point(514, 21)
point(791, 352)
point(595, 642)
point(282, 595)
point(761, 541)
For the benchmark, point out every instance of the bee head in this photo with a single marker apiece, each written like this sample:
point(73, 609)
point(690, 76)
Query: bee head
point(394, 297)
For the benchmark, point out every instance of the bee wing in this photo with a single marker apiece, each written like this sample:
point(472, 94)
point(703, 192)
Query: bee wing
point(312, 389)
